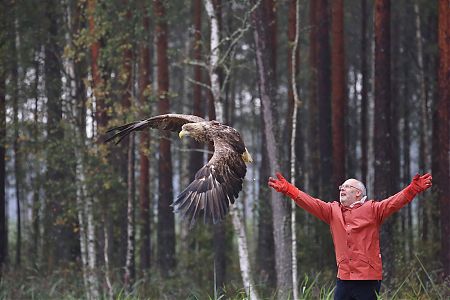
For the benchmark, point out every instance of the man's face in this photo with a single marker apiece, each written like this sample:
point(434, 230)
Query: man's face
point(349, 192)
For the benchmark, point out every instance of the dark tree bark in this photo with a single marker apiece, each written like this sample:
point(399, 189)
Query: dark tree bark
point(196, 157)
point(442, 176)
point(383, 183)
point(270, 7)
point(55, 134)
point(266, 249)
point(323, 99)
point(166, 222)
point(364, 92)
point(144, 193)
point(291, 38)
point(3, 204)
point(338, 94)
point(97, 82)
point(280, 209)
point(16, 142)
point(313, 131)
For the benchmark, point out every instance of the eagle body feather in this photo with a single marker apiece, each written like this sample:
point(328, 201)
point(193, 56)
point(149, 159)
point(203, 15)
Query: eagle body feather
point(219, 181)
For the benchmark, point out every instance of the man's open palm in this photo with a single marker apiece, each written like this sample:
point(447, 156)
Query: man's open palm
point(421, 183)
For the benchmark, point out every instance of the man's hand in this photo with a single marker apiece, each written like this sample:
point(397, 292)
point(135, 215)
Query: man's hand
point(281, 185)
point(421, 183)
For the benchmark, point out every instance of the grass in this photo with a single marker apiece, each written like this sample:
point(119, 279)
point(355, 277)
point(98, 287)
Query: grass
point(418, 283)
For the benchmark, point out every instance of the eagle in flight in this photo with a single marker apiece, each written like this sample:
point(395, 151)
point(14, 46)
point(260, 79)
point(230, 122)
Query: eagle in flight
point(218, 182)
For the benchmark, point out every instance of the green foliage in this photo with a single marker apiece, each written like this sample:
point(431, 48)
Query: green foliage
point(67, 283)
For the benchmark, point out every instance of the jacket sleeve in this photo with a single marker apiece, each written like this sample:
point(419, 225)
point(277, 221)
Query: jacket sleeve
point(314, 206)
point(387, 207)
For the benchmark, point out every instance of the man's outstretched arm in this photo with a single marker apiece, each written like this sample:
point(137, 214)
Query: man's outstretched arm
point(316, 207)
point(392, 204)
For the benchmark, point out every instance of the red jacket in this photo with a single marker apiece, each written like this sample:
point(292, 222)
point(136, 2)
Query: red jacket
point(356, 231)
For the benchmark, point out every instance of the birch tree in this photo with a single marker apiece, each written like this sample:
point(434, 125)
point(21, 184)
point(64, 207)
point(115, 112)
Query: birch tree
point(296, 99)
point(238, 224)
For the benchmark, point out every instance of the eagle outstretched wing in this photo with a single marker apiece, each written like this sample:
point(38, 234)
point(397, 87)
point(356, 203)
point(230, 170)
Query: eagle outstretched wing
point(171, 122)
point(216, 184)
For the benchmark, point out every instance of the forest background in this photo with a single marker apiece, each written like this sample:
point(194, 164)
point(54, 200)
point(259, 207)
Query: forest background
point(320, 90)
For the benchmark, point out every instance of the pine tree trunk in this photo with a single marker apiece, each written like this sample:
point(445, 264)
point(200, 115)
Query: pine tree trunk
point(196, 157)
point(281, 209)
point(16, 147)
point(364, 93)
point(54, 177)
point(144, 174)
point(166, 222)
point(312, 155)
point(324, 99)
point(442, 178)
point(3, 223)
point(383, 184)
point(338, 93)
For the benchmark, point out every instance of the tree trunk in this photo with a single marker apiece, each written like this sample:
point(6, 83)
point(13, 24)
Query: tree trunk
point(338, 94)
point(126, 77)
point(54, 177)
point(97, 82)
point(442, 177)
point(129, 261)
point(238, 224)
point(16, 147)
point(214, 59)
point(196, 157)
point(364, 93)
point(383, 183)
point(265, 256)
point(166, 221)
point(293, 87)
point(312, 155)
point(323, 98)
point(144, 193)
point(3, 223)
point(281, 209)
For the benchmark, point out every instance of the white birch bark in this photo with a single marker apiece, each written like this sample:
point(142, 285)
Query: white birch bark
point(129, 264)
point(238, 224)
point(244, 261)
point(91, 250)
point(79, 177)
point(214, 59)
point(293, 157)
point(106, 258)
point(84, 202)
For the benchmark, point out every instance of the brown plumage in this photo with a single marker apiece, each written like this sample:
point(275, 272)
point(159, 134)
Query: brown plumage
point(217, 183)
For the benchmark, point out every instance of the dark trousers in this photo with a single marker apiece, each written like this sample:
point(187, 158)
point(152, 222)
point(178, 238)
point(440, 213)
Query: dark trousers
point(357, 289)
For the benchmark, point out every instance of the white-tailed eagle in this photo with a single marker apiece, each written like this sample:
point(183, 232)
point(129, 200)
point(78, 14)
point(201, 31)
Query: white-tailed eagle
point(217, 183)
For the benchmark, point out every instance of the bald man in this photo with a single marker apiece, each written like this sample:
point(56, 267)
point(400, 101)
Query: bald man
point(355, 227)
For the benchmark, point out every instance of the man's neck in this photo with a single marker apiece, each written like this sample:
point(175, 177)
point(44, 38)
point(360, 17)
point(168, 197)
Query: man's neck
point(361, 201)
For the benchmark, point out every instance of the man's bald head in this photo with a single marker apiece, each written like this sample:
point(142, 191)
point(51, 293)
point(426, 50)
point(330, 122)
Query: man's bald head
point(351, 191)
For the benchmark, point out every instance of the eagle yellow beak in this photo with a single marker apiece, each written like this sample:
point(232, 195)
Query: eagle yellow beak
point(182, 133)
point(246, 157)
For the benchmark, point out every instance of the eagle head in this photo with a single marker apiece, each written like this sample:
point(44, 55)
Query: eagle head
point(194, 130)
